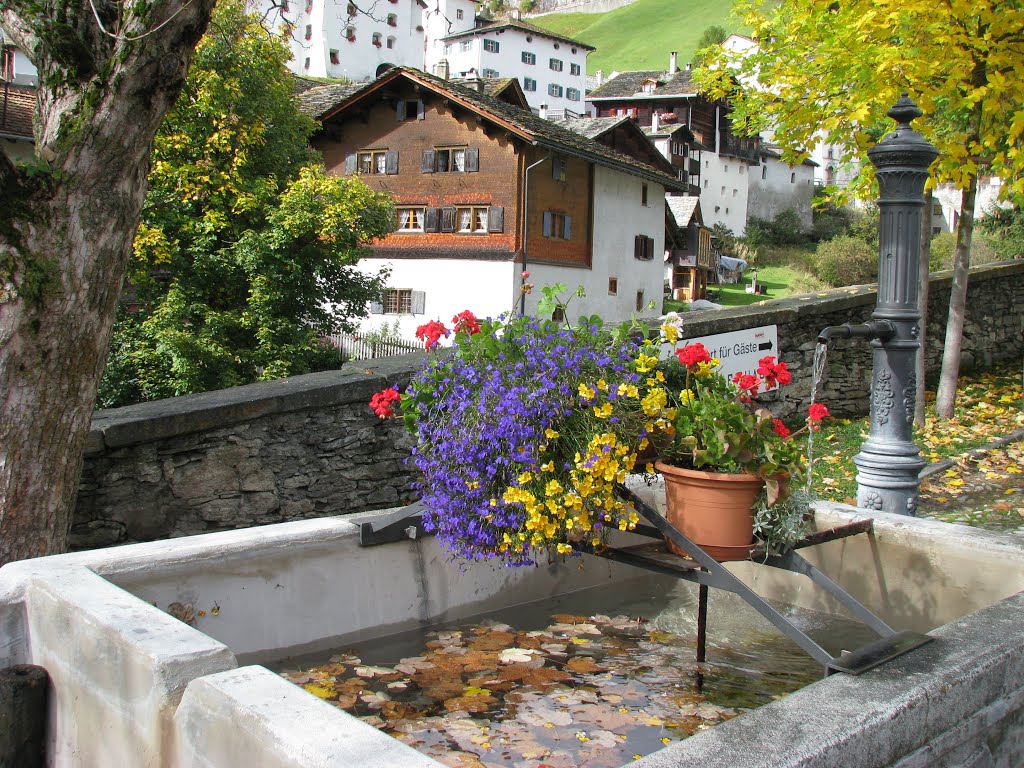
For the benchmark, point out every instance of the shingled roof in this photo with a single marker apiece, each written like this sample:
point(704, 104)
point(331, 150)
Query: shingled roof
point(520, 122)
point(16, 108)
point(628, 85)
point(591, 127)
point(523, 26)
point(317, 100)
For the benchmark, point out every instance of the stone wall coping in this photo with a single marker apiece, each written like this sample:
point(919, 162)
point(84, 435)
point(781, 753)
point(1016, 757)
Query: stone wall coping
point(356, 382)
point(161, 419)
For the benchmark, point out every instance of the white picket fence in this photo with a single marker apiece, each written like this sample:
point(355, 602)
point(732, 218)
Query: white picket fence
point(357, 348)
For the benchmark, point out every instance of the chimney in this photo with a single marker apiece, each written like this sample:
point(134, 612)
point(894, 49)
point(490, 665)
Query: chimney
point(516, 15)
point(654, 121)
point(542, 113)
point(473, 80)
point(599, 76)
point(673, 62)
point(441, 69)
point(689, 66)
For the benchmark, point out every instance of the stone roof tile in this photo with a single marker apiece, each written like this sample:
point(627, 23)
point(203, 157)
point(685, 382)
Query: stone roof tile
point(523, 26)
point(628, 85)
point(17, 106)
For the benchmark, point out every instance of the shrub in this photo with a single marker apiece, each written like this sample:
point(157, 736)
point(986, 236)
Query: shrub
point(805, 282)
point(846, 261)
point(785, 229)
point(944, 247)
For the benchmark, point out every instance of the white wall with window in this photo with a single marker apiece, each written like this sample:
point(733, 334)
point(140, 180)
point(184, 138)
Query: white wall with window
point(336, 38)
point(421, 290)
point(724, 191)
point(775, 187)
point(619, 219)
point(551, 72)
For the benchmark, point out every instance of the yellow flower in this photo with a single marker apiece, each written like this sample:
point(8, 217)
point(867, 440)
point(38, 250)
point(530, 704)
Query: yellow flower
point(654, 401)
point(586, 392)
point(525, 478)
point(604, 411)
point(686, 396)
point(602, 385)
point(549, 467)
point(551, 434)
point(704, 370)
point(645, 363)
point(564, 548)
point(670, 332)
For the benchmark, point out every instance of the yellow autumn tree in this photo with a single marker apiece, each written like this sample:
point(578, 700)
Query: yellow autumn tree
point(827, 70)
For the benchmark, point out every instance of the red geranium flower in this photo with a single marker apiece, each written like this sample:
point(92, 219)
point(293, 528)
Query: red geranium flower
point(430, 333)
point(773, 372)
point(815, 414)
point(748, 383)
point(381, 403)
point(692, 354)
point(780, 429)
point(466, 321)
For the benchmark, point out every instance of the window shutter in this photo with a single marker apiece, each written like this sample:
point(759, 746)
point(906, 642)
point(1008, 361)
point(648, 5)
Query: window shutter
point(555, 163)
point(547, 223)
point(650, 248)
point(496, 219)
point(447, 219)
point(638, 252)
point(391, 162)
point(419, 302)
point(376, 308)
point(350, 164)
point(421, 111)
point(567, 227)
point(472, 159)
point(427, 162)
point(430, 220)
point(400, 111)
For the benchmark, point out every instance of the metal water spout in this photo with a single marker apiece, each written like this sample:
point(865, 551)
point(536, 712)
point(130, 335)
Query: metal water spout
point(889, 462)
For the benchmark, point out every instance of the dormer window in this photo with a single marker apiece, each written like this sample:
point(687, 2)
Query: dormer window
point(648, 85)
point(392, 20)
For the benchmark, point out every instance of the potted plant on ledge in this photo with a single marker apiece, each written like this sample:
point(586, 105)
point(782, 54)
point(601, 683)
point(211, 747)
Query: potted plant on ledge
point(731, 468)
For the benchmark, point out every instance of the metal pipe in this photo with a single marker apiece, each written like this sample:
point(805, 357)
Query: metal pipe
point(882, 330)
point(526, 223)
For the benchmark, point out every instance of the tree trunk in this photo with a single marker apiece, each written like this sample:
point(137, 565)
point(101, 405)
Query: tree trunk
point(65, 243)
point(945, 398)
point(922, 306)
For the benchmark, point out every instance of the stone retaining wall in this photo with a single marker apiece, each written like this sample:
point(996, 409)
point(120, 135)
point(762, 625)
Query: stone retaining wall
point(309, 446)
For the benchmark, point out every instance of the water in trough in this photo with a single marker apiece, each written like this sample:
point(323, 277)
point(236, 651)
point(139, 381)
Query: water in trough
point(594, 678)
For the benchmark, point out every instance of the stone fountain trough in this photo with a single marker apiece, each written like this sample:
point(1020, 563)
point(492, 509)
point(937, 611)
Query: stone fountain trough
point(133, 686)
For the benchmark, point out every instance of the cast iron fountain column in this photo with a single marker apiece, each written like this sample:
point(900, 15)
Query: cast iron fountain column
point(889, 462)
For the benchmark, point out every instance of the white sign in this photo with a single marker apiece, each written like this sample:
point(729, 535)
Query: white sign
point(739, 351)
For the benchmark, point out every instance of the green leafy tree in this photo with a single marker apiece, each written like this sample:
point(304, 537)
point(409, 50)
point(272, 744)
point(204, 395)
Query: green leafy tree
point(829, 69)
point(712, 36)
point(246, 254)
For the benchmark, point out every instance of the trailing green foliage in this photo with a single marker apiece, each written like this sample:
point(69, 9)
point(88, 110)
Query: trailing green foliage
point(846, 260)
point(246, 253)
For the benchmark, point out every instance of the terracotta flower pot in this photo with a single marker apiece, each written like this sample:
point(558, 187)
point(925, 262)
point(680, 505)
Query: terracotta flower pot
point(712, 509)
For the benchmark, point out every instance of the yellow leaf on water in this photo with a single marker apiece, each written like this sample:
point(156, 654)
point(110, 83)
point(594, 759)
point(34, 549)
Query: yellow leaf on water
point(320, 691)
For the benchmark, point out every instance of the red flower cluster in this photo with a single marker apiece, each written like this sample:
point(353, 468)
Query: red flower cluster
point(466, 321)
point(774, 373)
point(431, 333)
point(382, 402)
point(815, 414)
point(748, 383)
point(780, 429)
point(692, 354)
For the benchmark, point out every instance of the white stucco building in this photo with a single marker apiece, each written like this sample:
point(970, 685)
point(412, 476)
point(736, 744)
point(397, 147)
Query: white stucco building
point(551, 69)
point(354, 40)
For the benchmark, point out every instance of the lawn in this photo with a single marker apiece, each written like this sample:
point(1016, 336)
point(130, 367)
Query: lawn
point(776, 279)
point(641, 35)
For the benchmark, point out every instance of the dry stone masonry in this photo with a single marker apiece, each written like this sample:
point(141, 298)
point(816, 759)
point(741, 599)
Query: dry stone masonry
point(309, 446)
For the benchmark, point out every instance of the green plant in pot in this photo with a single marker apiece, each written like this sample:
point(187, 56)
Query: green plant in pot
point(731, 467)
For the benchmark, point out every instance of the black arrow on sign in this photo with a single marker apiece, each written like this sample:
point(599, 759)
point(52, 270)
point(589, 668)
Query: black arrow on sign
point(766, 345)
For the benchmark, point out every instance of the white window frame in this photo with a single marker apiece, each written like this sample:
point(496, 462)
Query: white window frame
point(491, 46)
point(555, 65)
point(574, 69)
point(572, 94)
point(529, 84)
point(529, 58)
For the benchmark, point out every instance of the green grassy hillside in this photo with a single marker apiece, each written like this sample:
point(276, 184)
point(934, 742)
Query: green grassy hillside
point(641, 35)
